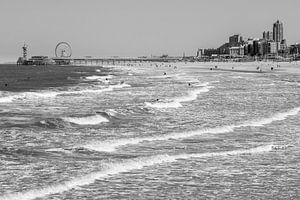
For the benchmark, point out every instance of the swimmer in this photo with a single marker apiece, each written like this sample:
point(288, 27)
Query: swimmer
point(165, 73)
point(189, 84)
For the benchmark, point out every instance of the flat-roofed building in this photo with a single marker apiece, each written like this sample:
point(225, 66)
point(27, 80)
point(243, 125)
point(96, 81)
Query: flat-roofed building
point(236, 51)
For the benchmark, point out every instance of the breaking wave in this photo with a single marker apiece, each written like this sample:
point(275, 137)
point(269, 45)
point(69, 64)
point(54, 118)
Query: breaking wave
point(100, 78)
point(275, 117)
point(27, 95)
point(112, 145)
point(125, 166)
point(87, 120)
point(176, 102)
point(52, 94)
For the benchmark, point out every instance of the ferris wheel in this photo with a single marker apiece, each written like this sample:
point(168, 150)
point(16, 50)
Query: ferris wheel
point(63, 50)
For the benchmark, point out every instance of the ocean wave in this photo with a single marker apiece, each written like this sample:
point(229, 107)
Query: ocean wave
point(275, 117)
point(100, 78)
point(110, 169)
point(112, 145)
point(51, 123)
point(27, 95)
point(86, 120)
point(10, 97)
point(176, 102)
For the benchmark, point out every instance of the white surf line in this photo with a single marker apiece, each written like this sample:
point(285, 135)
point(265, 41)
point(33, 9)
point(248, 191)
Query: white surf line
point(87, 120)
point(112, 145)
point(53, 94)
point(116, 168)
point(176, 102)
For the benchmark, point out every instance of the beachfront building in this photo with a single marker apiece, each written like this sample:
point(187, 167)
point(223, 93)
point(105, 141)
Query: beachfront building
point(272, 47)
point(199, 53)
point(236, 51)
point(40, 60)
point(235, 40)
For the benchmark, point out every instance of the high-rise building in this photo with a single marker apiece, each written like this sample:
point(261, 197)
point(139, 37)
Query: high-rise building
point(278, 31)
point(268, 35)
point(235, 40)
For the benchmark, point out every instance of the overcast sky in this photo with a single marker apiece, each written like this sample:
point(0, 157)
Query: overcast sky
point(138, 27)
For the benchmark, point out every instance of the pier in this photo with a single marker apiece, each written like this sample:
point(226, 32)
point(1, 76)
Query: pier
point(102, 61)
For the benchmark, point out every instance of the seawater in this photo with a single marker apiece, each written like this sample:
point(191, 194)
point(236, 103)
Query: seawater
point(139, 134)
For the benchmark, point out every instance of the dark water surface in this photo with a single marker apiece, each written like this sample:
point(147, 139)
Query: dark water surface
point(132, 132)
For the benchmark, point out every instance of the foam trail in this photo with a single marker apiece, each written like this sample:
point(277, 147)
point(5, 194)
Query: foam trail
point(276, 117)
point(7, 99)
point(109, 146)
point(53, 94)
point(116, 168)
point(98, 77)
point(176, 102)
point(88, 120)
point(27, 95)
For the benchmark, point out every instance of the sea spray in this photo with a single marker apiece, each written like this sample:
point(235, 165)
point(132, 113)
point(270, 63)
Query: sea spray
point(111, 169)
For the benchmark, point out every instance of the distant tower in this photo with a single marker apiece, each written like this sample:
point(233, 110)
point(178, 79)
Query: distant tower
point(24, 51)
point(278, 31)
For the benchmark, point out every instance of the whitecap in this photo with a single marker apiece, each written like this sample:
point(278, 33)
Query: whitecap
point(112, 145)
point(111, 169)
point(87, 120)
point(176, 102)
point(100, 78)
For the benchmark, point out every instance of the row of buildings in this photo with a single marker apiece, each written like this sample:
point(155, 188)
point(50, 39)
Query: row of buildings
point(271, 45)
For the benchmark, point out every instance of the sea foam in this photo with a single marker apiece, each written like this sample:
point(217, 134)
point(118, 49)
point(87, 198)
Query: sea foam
point(10, 97)
point(87, 120)
point(101, 78)
point(176, 102)
point(111, 169)
point(112, 145)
